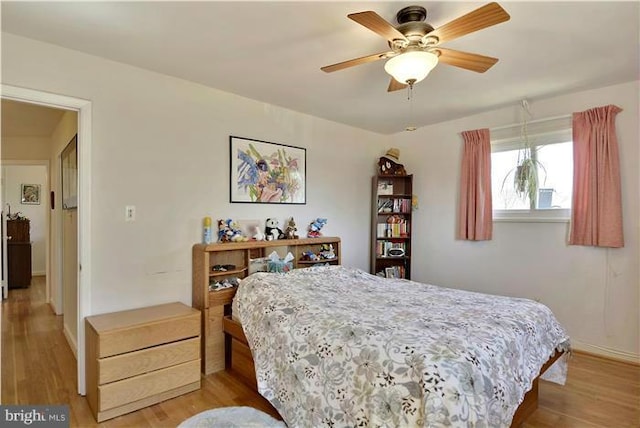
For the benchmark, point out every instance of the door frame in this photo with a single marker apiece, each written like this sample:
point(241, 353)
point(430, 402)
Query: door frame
point(83, 107)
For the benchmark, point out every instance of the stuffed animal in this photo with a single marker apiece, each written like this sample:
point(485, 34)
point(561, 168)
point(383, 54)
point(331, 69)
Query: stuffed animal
point(327, 252)
point(388, 164)
point(309, 256)
point(229, 231)
point(315, 227)
point(272, 229)
point(259, 236)
point(290, 231)
point(236, 232)
point(224, 232)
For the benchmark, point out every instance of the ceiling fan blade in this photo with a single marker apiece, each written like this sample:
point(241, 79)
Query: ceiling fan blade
point(356, 61)
point(394, 85)
point(486, 16)
point(377, 24)
point(466, 60)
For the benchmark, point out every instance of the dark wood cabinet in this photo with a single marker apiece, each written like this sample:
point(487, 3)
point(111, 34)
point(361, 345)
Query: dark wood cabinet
point(19, 264)
point(18, 254)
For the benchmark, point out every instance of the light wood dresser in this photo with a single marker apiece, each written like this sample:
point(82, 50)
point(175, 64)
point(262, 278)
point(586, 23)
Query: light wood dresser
point(140, 357)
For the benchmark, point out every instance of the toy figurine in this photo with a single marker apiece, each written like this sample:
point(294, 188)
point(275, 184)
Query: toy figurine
point(315, 227)
point(388, 164)
point(290, 231)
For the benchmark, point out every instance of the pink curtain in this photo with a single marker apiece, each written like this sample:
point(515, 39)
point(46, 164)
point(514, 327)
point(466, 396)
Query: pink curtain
point(596, 214)
point(475, 222)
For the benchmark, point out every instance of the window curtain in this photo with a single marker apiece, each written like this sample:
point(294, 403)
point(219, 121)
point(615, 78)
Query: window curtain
point(475, 222)
point(596, 213)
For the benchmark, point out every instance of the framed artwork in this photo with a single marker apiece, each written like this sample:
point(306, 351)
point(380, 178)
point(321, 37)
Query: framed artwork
point(69, 160)
point(390, 272)
point(267, 173)
point(30, 194)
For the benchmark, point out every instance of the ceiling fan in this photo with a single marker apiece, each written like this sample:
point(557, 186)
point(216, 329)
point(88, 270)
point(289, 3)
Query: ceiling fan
point(415, 45)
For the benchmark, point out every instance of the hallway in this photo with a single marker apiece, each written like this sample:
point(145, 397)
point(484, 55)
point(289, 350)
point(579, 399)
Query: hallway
point(38, 366)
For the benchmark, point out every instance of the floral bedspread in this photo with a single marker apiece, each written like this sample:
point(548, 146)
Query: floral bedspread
point(335, 346)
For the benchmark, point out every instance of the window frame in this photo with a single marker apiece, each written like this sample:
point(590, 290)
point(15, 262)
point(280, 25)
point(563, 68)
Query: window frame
point(540, 133)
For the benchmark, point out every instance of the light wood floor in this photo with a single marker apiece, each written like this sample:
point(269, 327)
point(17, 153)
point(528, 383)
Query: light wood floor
point(38, 367)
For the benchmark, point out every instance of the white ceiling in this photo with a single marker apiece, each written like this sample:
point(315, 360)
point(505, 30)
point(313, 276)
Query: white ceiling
point(273, 51)
point(28, 120)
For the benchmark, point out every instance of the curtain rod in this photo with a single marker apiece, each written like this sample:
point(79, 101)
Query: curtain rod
point(547, 119)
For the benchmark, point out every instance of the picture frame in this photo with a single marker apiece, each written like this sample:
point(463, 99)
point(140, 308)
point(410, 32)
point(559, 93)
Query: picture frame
point(266, 173)
point(389, 272)
point(30, 194)
point(69, 168)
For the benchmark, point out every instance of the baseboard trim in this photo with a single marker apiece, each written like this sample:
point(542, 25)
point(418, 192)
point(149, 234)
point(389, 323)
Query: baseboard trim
point(38, 273)
point(605, 352)
point(72, 343)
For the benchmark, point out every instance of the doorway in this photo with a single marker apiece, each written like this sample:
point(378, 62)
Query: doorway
point(83, 257)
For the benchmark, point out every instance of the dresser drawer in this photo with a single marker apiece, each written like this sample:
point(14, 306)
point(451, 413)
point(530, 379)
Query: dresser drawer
point(147, 335)
point(139, 387)
point(123, 366)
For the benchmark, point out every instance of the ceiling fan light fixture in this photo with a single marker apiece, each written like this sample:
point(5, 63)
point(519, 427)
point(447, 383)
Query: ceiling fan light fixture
point(411, 67)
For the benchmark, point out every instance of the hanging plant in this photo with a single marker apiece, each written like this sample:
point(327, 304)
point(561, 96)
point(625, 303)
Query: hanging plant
point(525, 173)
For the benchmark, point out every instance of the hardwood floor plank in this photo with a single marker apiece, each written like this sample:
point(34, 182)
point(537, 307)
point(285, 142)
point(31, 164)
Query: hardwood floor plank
point(38, 367)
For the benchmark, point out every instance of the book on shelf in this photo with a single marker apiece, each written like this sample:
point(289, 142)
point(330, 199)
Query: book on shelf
point(394, 272)
point(383, 247)
point(385, 205)
point(393, 230)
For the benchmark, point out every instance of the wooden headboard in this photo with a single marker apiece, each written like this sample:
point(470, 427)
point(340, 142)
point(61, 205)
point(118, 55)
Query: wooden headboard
point(237, 256)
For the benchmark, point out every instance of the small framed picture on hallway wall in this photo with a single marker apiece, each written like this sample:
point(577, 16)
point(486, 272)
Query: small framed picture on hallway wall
point(30, 194)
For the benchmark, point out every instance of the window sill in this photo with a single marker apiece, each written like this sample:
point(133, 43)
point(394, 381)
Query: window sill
point(530, 220)
point(534, 216)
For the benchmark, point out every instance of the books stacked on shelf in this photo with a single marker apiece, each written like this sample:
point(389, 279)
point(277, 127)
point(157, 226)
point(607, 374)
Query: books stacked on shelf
point(402, 205)
point(383, 249)
point(395, 272)
point(395, 227)
point(394, 205)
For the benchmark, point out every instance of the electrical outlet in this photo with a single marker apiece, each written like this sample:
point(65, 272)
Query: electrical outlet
point(130, 213)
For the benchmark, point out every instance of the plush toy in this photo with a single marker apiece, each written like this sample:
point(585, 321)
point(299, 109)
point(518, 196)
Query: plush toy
point(272, 229)
point(309, 256)
point(236, 232)
point(290, 231)
point(388, 164)
point(224, 232)
point(229, 231)
point(327, 252)
point(315, 227)
point(259, 236)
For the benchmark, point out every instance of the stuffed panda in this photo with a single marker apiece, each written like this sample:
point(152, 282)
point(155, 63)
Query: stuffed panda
point(271, 230)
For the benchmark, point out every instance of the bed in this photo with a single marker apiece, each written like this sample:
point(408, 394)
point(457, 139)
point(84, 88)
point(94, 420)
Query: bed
point(334, 346)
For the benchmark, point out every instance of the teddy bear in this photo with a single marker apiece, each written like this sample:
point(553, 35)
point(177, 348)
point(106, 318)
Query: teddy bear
point(389, 163)
point(290, 231)
point(315, 227)
point(272, 229)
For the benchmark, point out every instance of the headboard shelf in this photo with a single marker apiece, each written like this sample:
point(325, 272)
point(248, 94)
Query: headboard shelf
point(237, 256)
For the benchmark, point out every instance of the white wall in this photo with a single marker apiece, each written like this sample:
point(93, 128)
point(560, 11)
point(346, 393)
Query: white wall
point(592, 291)
point(162, 144)
point(15, 176)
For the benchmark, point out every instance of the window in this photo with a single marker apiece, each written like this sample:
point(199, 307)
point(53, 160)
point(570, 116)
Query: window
point(532, 183)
